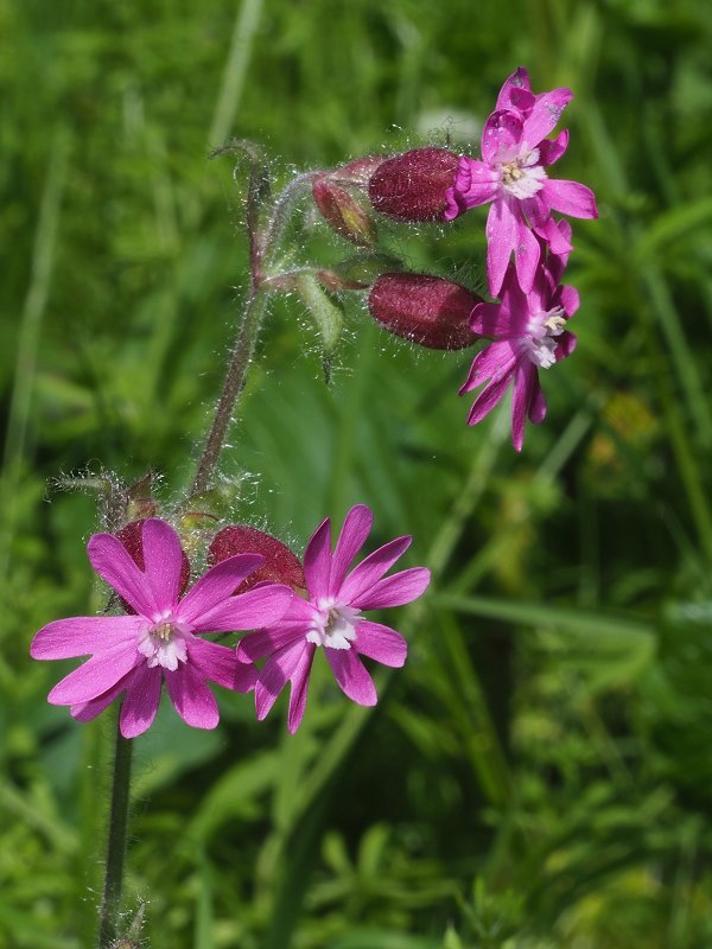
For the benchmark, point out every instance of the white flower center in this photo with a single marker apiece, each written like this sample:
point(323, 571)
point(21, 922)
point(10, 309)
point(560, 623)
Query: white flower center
point(334, 626)
point(522, 177)
point(541, 340)
point(164, 644)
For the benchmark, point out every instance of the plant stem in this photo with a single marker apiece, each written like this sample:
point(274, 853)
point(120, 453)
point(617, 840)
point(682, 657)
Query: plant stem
point(238, 365)
point(116, 845)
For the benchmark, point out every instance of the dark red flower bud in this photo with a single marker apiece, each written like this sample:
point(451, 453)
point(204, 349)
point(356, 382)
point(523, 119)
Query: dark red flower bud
point(412, 186)
point(280, 566)
point(427, 310)
point(343, 213)
point(130, 536)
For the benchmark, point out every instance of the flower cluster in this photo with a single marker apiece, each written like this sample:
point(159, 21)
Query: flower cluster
point(527, 247)
point(255, 583)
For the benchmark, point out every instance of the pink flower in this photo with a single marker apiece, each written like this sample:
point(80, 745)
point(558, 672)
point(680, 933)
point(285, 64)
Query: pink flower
point(332, 618)
point(161, 642)
point(530, 334)
point(513, 176)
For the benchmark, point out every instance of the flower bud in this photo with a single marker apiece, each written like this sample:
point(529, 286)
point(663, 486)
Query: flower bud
point(131, 537)
point(343, 213)
point(358, 171)
point(412, 186)
point(427, 310)
point(280, 566)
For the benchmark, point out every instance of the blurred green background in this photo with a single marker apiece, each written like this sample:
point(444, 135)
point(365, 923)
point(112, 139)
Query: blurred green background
point(540, 774)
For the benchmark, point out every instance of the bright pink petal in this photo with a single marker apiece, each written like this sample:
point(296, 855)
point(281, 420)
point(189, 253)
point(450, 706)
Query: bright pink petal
point(570, 197)
point(351, 675)
point(261, 606)
point(559, 246)
point(501, 237)
point(526, 256)
point(475, 183)
point(551, 150)
point(191, 697)
point(372, 568)
point(545, 115)
point(354, 533)
point(85, 635)
point(220, 664)
point(501, 136)
point(317, 560)
point(163, 561)
point(493, 362)
point(489, 319)
point(510, 95)
point(274, 675)
point(265, 642)
point(143, 695)
point(86, 711)
point(217, 585)
point(537, 409)
point(115, 566)
point(567, 344)
point(95, 676)
point(403, 587)
point(569, 299)
point(491, 396)
point(524, 391)
point(300, 688)
point(381, 643)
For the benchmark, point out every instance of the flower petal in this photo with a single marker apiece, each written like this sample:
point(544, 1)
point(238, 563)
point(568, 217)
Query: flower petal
point(261, 606)
point(545, 115)
point(570, 197)
point(381, 643)
point(163, 561)
point(567, 344)
point(492, 395)
point(475, 183)
point(300, 688)
point(357, 527)
point(363, 577)
point(216, 585)
point(220, 664)
point(275, 673)
point(191, 697)
point(492, 362)
point(569, 298)
point(551, 149)
point(115, 566)
point(317, 560)
point(143, 696)
point(501, 233)
point(403, 587)
point(537, 409)
point(86, 711)
point(85, 635)
point(526, 256)
point(501, 135)
point(524, 390)
point(352, 676)
point(490, 319)
point(513, 86)
point(95, 676)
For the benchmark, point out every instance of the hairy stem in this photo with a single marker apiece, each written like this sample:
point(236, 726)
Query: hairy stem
point(240, 358)
point(116, 845)
point(283, 209)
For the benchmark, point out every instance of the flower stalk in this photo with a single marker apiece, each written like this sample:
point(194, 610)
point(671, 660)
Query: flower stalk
point(239, 363)
point(116, 844)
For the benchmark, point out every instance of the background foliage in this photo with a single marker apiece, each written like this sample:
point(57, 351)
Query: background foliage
point(539, 774)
